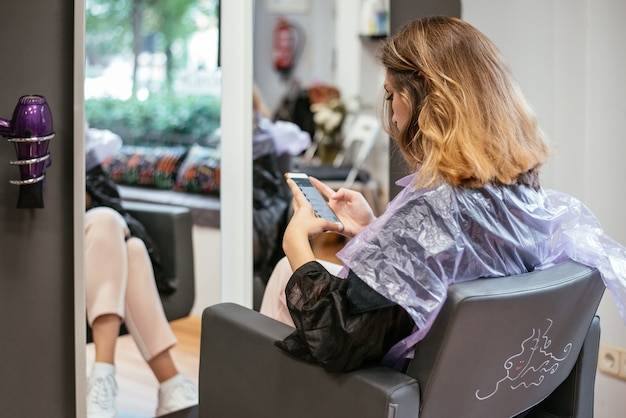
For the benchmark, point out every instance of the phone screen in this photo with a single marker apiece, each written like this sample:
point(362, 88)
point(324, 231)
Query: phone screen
point(320, 206)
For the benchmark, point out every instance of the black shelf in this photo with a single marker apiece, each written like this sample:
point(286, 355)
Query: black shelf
point(373, 37)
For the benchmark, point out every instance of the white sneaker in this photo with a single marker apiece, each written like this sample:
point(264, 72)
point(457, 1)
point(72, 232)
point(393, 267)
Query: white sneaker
point(101, 391)
point(175, 394)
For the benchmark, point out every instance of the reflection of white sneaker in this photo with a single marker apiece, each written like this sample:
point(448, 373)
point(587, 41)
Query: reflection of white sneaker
point(101, 391)
point(175, 394)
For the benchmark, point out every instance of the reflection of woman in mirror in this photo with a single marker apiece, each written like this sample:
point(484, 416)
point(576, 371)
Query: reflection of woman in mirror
point(120, 286)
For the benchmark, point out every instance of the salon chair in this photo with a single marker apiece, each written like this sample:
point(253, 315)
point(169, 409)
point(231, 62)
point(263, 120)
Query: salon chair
point(171, 229)
point(517, 346)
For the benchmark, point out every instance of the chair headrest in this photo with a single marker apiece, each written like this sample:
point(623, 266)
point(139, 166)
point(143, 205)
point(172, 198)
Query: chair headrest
point(501, 345)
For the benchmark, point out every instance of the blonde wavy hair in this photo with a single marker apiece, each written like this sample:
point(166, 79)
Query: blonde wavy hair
point(469, 123)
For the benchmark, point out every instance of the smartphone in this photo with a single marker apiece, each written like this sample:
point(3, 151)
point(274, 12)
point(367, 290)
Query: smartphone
point(320, 206)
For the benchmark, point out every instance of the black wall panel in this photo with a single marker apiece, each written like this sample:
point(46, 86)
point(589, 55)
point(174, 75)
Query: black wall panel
point(36, 245)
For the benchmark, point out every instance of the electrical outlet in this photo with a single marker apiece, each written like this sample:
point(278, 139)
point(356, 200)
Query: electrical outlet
point(622, 365)
point(609, 360)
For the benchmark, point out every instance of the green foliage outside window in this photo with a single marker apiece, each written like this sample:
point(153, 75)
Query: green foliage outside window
point(126, 28)
point(145, 42)
point(167, 120)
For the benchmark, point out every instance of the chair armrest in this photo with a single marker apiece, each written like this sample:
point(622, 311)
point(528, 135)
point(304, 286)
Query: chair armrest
point(243, 374)
point(171, 229)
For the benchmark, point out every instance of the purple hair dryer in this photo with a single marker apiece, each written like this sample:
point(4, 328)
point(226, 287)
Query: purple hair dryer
point(30, 130)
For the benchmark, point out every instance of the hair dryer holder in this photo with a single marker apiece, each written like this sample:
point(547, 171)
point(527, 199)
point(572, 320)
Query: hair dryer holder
point(30, 130)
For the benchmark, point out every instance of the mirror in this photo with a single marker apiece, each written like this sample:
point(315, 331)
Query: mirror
point(152, 92)
point(328, 49)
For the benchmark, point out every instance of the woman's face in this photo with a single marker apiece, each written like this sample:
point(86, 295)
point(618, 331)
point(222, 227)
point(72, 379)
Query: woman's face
point(400, 111)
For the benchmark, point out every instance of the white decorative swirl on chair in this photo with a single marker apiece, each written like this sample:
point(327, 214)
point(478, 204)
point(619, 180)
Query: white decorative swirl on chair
point(530, 366)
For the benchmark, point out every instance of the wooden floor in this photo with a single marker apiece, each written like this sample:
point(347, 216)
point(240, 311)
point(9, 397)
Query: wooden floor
point(137, 386)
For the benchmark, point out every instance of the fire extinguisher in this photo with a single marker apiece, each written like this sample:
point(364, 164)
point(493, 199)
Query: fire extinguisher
point(287, 46)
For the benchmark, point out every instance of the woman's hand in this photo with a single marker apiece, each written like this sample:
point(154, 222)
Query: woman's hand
point(350, 207)
point(303, 226)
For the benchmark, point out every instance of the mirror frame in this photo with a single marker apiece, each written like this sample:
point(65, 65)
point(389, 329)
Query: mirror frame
point(236, 17)
point(79, 210)
point(236, 23)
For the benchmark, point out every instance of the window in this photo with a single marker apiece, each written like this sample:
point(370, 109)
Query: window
point(152, 73)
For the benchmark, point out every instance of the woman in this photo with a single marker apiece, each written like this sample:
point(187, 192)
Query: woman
point(472, 208)
point(120, 286)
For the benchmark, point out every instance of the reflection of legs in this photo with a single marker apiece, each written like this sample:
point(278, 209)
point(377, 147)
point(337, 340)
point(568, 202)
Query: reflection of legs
point(105, 278)
point(105, 285)
point(274, 302)
point(146, 322)
point(145, 318)
point(120, 285)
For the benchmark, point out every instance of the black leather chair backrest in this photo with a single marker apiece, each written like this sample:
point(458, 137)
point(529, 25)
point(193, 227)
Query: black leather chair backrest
point(171, 229)
point(500, 346)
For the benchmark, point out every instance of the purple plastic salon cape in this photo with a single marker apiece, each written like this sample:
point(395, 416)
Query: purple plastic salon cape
point(429, 238)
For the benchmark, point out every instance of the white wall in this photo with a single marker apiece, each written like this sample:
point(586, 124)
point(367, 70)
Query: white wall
point(569, 60)
point(605, 149)
point(207, 259)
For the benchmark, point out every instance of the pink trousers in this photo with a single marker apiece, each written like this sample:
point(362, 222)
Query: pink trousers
point(274, 303)
point(119, 280)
